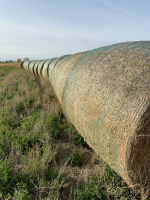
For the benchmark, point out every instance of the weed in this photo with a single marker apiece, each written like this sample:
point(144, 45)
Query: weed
point(21, 192)
point(10, 179)
point(90, 191)
point(73, 134)
point(52, 125)
point(76, 158)
point(52, 96)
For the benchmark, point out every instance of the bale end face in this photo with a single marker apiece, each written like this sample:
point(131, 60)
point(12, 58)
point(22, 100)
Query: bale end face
point(139, 153)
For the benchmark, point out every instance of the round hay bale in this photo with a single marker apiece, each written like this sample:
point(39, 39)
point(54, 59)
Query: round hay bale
point(40, 67)
point(45, 74)
point(21, 64)
point(25, 64)
point(31, 65)
point(35, 68)
point(61, 74)
point(53, 64)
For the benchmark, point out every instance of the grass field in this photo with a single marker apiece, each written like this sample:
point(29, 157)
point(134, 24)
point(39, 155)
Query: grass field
point(42, 156)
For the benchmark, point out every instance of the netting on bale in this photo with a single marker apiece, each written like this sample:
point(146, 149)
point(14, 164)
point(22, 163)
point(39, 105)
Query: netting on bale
point(105, 93)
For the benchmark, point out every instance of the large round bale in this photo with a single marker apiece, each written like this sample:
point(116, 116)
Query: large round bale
point(31, 65)
point(40, 67)
point(45, 74)
point(61, 73)
point(21, 64)
point(105, 93)
point(27, 64)
point(53, 64)
point(35, 68)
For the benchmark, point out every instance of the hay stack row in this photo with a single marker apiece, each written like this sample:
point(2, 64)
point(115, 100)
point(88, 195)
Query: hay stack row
point(105, 94)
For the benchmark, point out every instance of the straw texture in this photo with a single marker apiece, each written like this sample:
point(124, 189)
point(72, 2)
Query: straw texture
point(105, 93)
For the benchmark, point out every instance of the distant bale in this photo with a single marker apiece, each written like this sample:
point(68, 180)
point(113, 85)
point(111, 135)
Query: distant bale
point(53, 64)
point(31, 65)
point(35, 69)
point(45, 70)
point(40, 67)
point(26, 64)
point(21, 64)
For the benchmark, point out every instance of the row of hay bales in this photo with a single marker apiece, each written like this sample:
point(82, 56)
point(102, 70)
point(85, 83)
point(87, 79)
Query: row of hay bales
point(105, 94)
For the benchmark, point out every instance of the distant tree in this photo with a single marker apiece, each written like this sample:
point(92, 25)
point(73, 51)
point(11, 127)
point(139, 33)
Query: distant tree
point(26, 59)
point(19, 60)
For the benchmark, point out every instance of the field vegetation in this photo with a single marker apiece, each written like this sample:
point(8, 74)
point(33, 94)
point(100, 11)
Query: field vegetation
point(42, 156)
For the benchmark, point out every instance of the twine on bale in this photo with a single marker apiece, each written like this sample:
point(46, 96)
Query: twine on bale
point(105, 94)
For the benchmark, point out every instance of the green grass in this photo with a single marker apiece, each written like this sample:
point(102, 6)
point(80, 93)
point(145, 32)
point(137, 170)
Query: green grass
point(4, 71)
point(36, 162)
point(73, 135)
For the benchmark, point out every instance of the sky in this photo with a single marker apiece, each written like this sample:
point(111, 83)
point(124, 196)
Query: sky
point(43, 29)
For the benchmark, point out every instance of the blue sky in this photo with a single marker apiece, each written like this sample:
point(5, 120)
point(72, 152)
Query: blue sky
point(41, 29)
